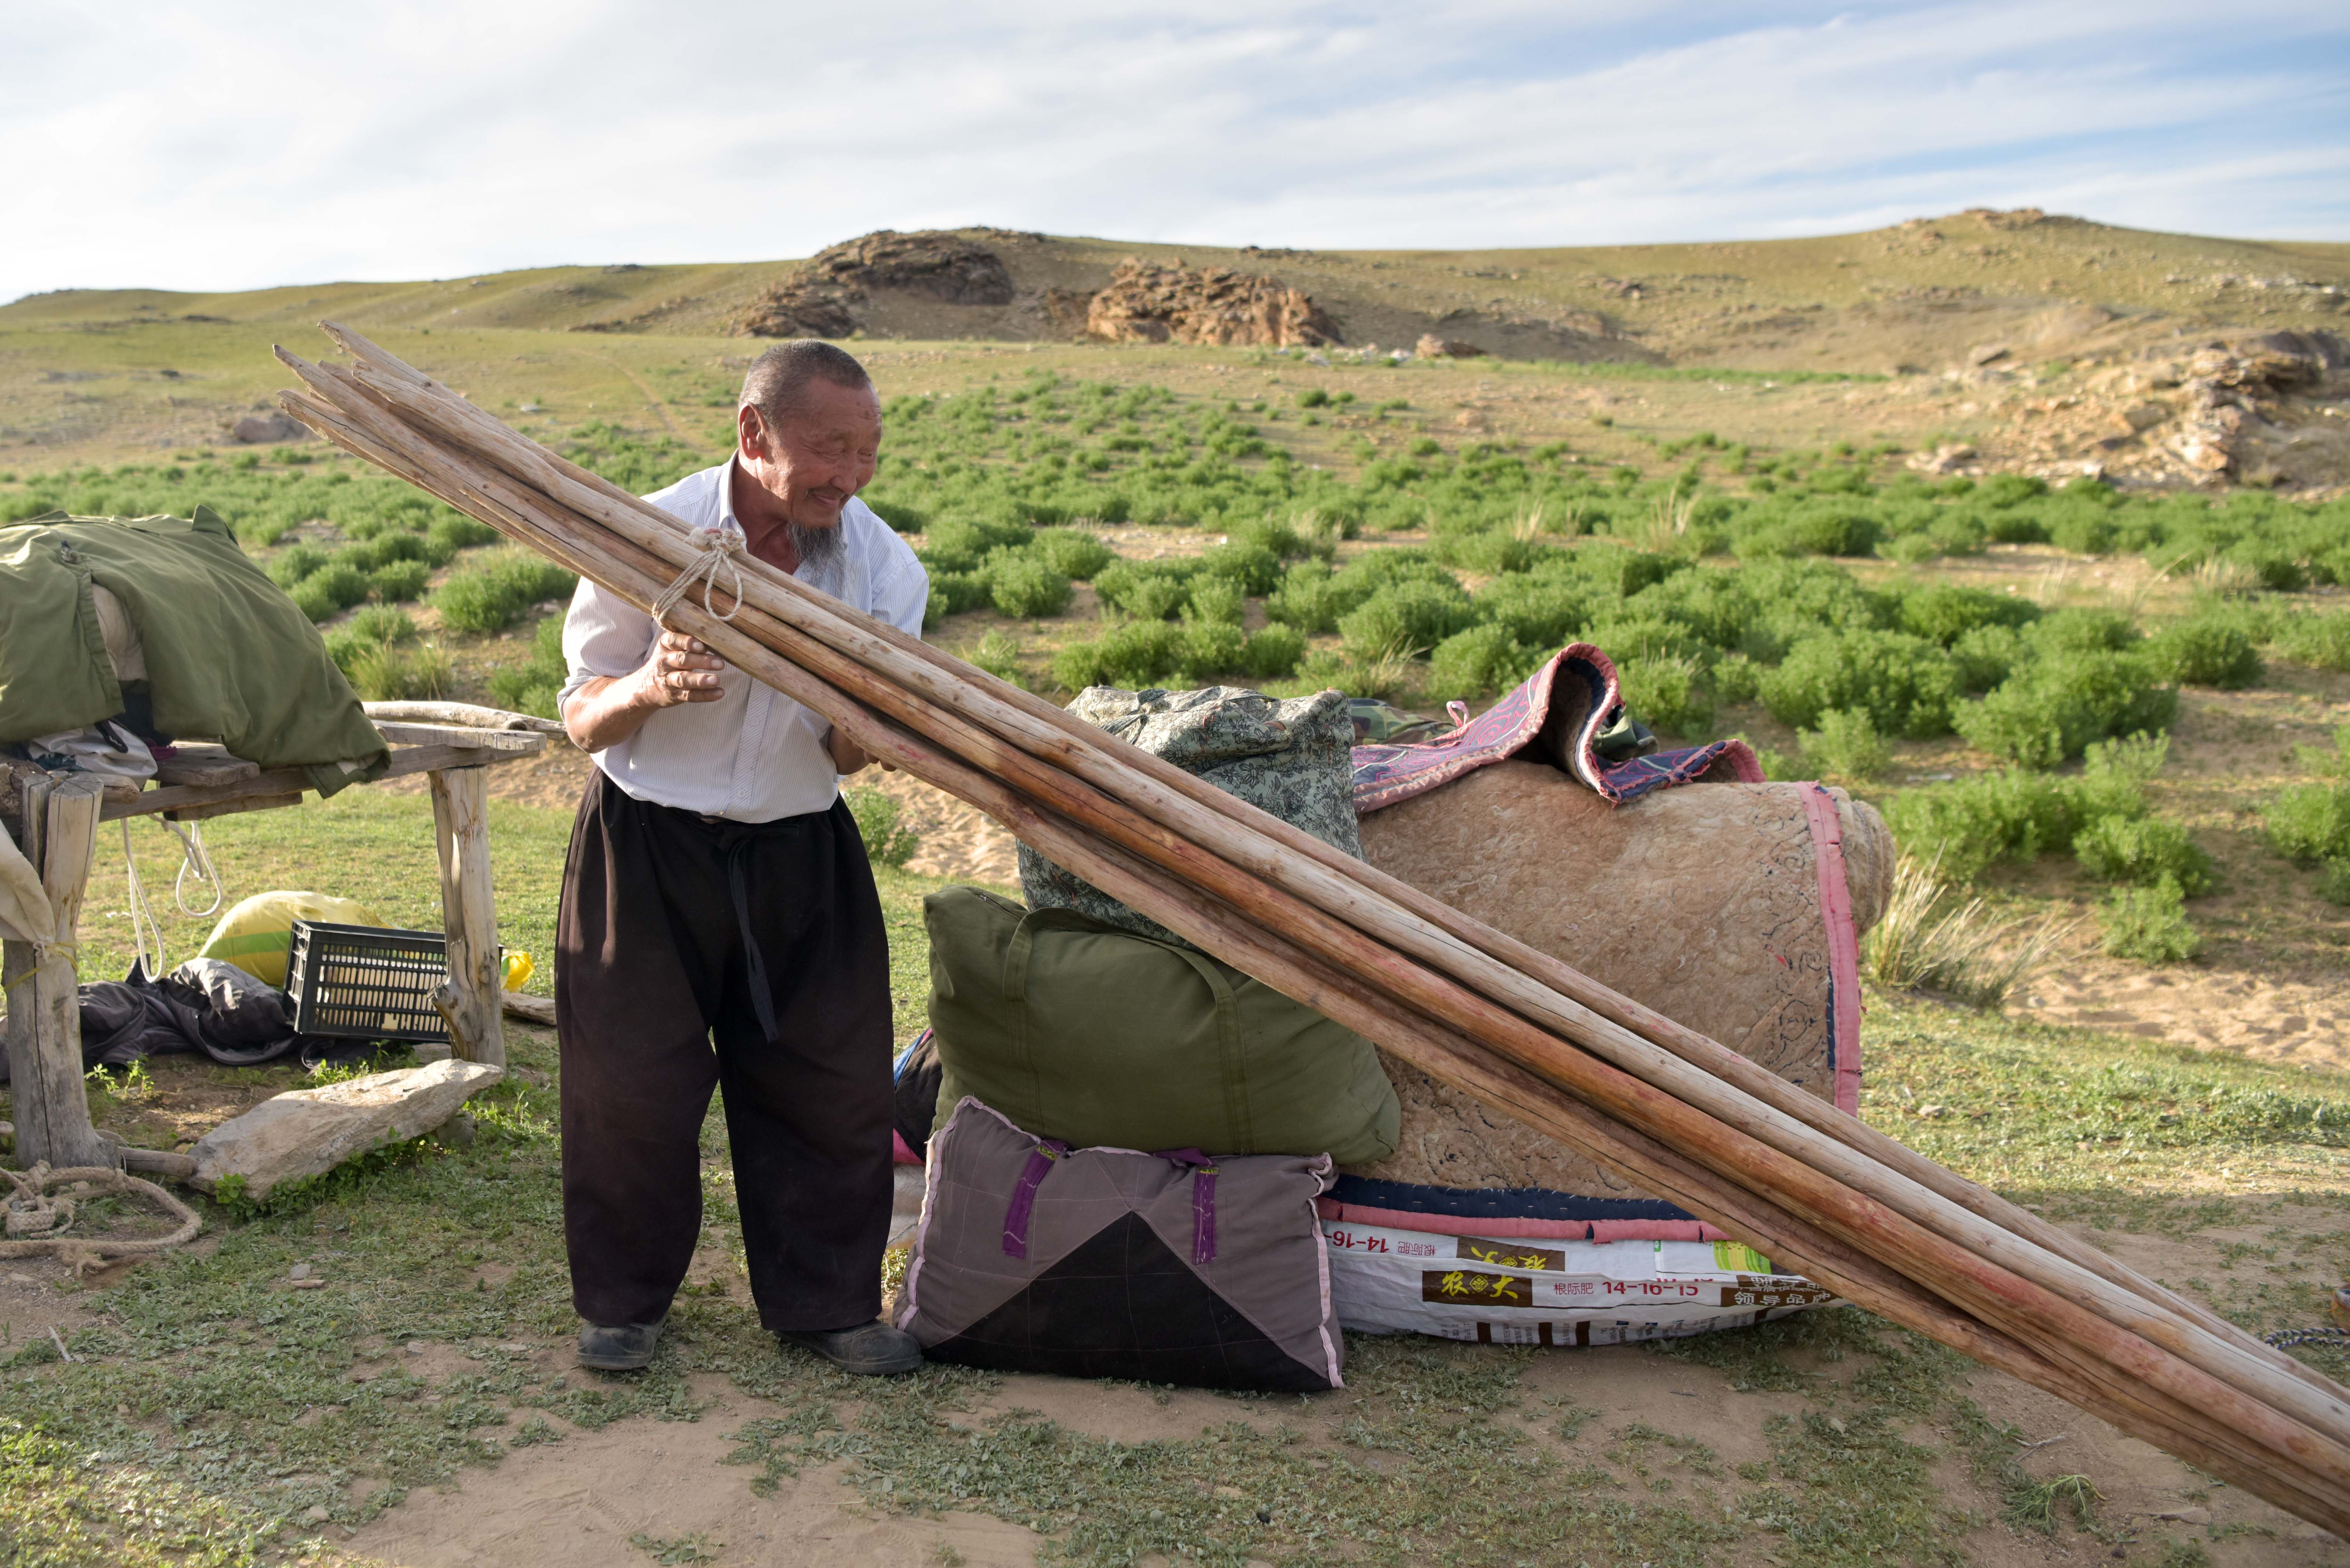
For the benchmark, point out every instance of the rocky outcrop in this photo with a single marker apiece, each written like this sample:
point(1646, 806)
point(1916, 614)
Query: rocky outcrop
point(826, 295)
point(255, 430)
point(2258, 410)
point(2228, 391)
point(1150, 304)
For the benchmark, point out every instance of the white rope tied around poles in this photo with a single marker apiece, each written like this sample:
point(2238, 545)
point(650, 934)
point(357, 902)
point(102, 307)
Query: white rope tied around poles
point(719, 547)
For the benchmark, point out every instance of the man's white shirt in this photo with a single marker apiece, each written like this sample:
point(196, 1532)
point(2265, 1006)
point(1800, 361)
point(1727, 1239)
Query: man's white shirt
point(755, 754)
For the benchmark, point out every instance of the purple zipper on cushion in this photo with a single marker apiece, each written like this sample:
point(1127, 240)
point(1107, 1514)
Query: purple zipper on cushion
point(1024, 1195)
point(1203, 1201)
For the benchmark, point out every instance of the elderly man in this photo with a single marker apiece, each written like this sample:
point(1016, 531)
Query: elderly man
point(720, 927)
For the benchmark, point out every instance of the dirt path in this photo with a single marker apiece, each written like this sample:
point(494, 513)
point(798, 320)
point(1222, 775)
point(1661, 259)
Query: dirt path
point(585, 1500)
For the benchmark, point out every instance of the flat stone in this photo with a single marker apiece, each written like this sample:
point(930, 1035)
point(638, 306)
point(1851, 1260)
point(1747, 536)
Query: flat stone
point(298, 1272)
point(307, 1132)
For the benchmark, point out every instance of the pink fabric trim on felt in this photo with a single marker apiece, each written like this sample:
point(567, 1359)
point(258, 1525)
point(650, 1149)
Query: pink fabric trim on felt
point(1336, 1213)
point(1843, 943)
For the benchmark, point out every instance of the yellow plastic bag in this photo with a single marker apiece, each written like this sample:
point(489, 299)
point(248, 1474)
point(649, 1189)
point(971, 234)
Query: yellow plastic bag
point(257, 935)
point(519, 969)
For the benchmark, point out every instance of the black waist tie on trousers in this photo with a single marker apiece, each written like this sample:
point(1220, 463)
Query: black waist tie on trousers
point(694, 953)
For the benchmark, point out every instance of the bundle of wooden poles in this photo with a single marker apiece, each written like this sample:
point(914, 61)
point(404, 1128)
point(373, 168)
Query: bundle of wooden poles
point(1814, 1189)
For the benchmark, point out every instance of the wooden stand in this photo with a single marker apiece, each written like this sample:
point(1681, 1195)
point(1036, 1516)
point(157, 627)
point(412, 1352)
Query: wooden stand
point(58, 834)
point(460, 831)
point(45, 1082)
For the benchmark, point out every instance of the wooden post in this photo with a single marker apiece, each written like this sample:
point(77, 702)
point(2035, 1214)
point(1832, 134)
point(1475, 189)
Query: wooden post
point(460, 824)
point(45, 1078)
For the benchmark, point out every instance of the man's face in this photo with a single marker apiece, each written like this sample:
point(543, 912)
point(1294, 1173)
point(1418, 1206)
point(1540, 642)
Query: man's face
point(818, 455)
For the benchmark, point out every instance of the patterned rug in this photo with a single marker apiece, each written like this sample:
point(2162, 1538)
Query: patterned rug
point(1561, 712)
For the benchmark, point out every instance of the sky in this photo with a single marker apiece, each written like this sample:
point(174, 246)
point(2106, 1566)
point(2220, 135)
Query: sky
point(237, 144)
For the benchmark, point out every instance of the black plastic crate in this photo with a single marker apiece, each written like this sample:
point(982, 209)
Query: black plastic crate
point(367, 983)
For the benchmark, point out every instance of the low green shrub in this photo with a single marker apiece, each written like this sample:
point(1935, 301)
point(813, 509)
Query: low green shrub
point(1216, 599)
point(1668, 694)
point(1255, 567)
point(1025, 587)
point(1481, 659)
point(2143, 850)
point(494, 595)
point(1847, 746)
point(952, 593)
point(998, 655)
point(452, 534)
point(1535, 611)
point(531, 686)
point(381, 623)
point(1491, 552)
point(2082, 631)
point(2205, 652)
point(2148, 925)
point(1072, 553)
point(2051, 709)
point(961, 544)
point(381, 674)
point(2323, 641)
point(398, 581)
point(1735, 678)
point(1273, 653)
point(1986, 656)
point(2310, 822)
point(1944, 612)
point(1904, 684)
point(1151, 591)
point(1310, 599)
point(1407, 617)
point(294, 563)
point(1208, 648)
point(887, 841)
point(1133, 655)
point(2019, 814)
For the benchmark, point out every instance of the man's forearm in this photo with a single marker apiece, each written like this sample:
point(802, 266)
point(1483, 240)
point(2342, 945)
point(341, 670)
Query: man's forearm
point(608, 709)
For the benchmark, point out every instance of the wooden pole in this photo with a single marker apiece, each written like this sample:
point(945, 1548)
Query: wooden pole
point(45, 1075)
point(461, 832)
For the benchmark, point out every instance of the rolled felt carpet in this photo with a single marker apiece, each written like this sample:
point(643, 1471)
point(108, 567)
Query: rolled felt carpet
point(1733, 908)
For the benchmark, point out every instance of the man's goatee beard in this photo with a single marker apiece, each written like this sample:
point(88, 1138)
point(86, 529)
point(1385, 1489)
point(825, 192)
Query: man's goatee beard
point(817, 548)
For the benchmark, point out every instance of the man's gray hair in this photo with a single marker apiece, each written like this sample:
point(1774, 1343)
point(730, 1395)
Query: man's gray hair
point(779, 378)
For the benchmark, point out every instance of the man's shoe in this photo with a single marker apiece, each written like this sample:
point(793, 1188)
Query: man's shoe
point(868, 1349)
point(623, 1347)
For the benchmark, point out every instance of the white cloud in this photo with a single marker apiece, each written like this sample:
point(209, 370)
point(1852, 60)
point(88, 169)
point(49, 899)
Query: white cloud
point(235, 144)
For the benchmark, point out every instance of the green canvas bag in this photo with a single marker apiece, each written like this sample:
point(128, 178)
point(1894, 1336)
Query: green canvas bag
point(1079, 1030)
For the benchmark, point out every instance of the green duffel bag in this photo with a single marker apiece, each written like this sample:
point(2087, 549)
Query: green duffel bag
point(1076, 1030)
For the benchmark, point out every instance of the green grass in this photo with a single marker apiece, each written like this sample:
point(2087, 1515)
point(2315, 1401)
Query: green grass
point(214, 1407)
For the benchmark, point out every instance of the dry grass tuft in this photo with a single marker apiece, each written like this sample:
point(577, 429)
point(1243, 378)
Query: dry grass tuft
point(1928, 940)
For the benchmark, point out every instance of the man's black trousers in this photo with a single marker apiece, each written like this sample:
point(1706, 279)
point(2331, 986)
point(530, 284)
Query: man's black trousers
point(675, 929)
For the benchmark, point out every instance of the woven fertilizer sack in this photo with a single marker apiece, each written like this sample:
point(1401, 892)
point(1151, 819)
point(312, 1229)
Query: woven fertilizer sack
point(1085, 1032)
point(1032, 1256)
point(1291, 757)
point(1498, 1291)
point(1735, 909)
point(257, 934)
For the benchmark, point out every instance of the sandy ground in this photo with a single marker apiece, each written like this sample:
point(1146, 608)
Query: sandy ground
point(580, 1500)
